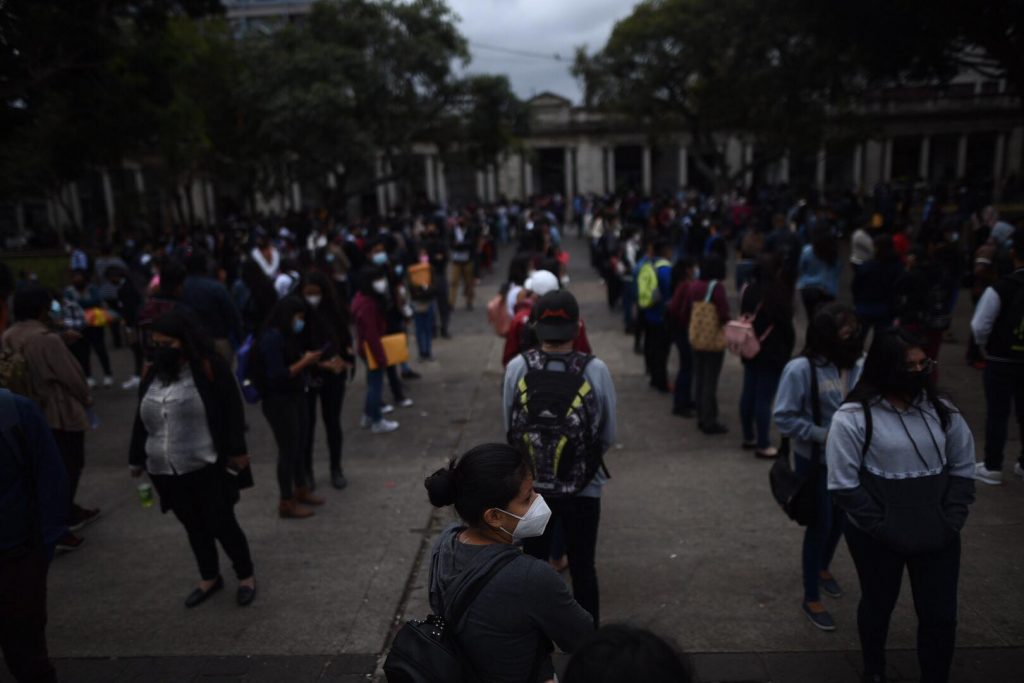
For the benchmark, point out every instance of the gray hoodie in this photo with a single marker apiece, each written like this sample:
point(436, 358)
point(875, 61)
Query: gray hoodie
point(522, 608)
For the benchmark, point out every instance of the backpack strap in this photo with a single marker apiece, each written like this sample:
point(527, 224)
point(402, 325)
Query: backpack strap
point(815, 409)
point(711, 289)
point(454, 613)
point(868, 429)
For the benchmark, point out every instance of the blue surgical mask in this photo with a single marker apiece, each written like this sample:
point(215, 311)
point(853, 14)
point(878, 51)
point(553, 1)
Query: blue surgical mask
point(298, 325)
point(398, 270)
point(380, 258)
point(55, 307)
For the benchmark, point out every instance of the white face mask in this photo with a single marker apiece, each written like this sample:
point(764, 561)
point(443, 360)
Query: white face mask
point(314, 300)
point(533, 523)
point(380, 286)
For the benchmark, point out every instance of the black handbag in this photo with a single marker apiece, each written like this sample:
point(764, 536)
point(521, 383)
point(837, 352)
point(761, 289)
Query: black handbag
point(426, 651)
point(797, 493)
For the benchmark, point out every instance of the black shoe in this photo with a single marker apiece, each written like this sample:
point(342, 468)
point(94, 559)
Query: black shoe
point(338, 480)
point(199, 596)
point(715, 429)
point(410, 374)
point(81, 517)
point(445, 335)
point(245, 595)
point(69, 542)
point(684, 412)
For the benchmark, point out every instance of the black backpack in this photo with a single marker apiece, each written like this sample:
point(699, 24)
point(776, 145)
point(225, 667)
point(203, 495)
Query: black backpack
point(554, 420)
point(427, 651)
point(797, 494)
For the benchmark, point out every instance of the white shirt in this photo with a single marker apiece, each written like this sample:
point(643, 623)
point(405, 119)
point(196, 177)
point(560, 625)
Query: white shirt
point(179, 439)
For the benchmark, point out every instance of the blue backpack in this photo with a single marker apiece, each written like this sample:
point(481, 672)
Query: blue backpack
point(244, 370)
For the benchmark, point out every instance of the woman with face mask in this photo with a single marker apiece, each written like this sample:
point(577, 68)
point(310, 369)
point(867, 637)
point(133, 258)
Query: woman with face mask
point(368, 308)
point(507, 628)
point(329, 318)
point(282, 364)
point(901, 465)
point(832, 350)
point(189, 436)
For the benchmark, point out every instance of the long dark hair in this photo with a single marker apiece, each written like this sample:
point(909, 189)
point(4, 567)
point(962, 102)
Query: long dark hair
point(823, 328)
point(885, 362)
point(776, 293)
point(196, 345)
point(332, 306)
point(487, 476)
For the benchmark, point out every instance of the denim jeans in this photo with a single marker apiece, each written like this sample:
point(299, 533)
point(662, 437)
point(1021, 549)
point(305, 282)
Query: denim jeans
point(374, 394)
point(933, 582)
point(683, 398)
point(1004, 384)
point(579, 516)
point(822, 535)
point(759, 385)
point(424, 331)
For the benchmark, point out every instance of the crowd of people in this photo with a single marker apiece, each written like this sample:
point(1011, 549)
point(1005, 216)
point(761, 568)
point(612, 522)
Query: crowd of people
point(284, 316)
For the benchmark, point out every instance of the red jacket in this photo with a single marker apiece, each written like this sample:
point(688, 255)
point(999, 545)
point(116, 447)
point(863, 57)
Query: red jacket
point(370, 327)
point(514, 336)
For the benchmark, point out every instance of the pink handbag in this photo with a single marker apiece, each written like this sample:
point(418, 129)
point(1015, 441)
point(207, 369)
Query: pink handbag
point(739, 335)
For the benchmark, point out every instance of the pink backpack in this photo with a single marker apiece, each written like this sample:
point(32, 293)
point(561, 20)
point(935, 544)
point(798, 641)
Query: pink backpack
point(740, 338)
point(497, 315)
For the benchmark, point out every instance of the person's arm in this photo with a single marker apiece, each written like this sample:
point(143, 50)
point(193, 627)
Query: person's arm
point(60, 367)
point(985, 314)
point(515, 370)
point(960, 457)
point(552, 609)
point(605, 388)
point(137, 446)
point(844, 460)
point(792, 417)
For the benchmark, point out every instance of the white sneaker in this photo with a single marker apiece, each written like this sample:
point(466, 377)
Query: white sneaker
point(383, 426)
point(1018, 471)
point(405, 403)
point(365, 422)
point(108, 381)
point(91, 382)
point(387, 409)
point(131, 383)
point(987, 476)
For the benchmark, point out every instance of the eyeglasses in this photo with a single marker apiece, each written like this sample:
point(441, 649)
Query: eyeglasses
point(926, 366)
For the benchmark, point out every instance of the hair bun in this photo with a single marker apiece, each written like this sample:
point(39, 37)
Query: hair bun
point(441, 486)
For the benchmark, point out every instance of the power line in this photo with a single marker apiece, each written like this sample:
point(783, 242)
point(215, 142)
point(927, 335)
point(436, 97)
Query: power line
point(555, 57)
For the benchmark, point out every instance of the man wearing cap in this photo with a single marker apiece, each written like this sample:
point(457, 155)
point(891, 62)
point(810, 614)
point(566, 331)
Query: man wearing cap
point(557, 327)
point(520, 335)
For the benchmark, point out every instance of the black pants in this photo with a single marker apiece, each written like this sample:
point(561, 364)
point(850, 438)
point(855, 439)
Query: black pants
point(1004, 386)
point(444, 308)
point(933, 581)
point(332, 396)
point(71, 446)
point(395, 382)
point(204, 504)
point(23, 617)
point(579, 517)
point(657, 344)
point(287, 415)
point(707, 366)
point(92, 340)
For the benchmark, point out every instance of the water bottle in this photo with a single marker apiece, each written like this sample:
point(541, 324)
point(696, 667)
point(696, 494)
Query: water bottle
point(146, 494)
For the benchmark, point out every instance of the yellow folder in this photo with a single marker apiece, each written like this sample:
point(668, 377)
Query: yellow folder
point(396, 349)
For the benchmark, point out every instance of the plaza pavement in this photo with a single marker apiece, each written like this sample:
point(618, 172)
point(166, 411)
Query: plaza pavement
point(691, 543)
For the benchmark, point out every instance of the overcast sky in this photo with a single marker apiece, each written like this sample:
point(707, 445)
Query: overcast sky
point(544, 27)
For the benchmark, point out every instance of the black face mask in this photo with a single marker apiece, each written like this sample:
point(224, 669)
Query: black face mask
point(910, 383)
point(167, 361)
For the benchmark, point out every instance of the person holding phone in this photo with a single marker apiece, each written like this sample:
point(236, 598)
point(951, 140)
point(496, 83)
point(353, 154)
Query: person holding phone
point(281, 371)
point(189, 435)
point(330, 320)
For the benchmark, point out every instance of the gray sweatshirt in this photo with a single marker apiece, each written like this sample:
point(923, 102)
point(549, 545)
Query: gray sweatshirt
point(793, 414)
point(600, 379)
point(524, 606)
point(908, 448)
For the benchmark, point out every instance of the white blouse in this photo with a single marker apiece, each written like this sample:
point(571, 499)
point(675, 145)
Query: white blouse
point(179, 439)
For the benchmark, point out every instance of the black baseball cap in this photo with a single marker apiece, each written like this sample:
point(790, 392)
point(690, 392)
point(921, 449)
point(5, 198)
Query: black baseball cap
point(557, 317)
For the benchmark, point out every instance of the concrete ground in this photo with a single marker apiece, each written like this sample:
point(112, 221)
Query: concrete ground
point(691, 545)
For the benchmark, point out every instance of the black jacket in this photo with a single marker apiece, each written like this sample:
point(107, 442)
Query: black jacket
point(225, 413)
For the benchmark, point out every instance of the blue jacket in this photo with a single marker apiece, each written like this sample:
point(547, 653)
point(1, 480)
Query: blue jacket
point(656, 313)
point(51, 481)
point(816, 273)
